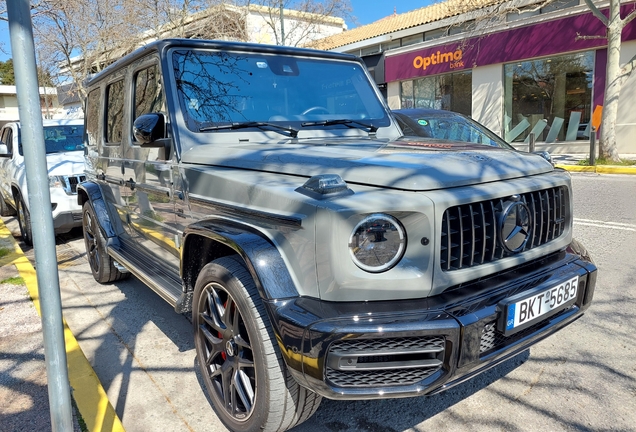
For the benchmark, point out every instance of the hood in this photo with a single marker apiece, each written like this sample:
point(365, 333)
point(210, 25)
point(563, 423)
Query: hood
point(403, 164)
point(69, 163)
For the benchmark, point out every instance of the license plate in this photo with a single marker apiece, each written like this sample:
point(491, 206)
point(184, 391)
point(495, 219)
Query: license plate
point(530, 310)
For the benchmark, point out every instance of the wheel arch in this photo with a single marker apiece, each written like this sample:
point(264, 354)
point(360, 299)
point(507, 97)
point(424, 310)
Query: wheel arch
point(91, 191)
point(212, 239)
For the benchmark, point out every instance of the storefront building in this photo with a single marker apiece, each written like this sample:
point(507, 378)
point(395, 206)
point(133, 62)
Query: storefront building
point(542, 74)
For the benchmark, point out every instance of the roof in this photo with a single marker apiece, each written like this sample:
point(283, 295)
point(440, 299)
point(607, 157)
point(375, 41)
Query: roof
point(397, 22)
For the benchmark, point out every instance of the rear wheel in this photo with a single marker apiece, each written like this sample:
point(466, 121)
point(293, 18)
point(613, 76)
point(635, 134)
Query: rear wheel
point(102, 265)
point(24, 220)
point(243, 370)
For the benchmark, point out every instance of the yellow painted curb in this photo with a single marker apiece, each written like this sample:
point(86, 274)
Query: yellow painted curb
point(599, 169)
point(90, 397)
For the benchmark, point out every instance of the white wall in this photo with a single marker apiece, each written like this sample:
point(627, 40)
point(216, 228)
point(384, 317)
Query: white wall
point(626, 122)
point(488, 97)
point(393, 95)
point(260, 31)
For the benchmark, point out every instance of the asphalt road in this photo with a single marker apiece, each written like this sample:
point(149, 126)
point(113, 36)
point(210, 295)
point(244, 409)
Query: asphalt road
point(583, 378)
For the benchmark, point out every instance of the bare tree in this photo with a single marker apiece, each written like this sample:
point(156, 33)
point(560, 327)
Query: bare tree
point(615, 75)
point(303, 20)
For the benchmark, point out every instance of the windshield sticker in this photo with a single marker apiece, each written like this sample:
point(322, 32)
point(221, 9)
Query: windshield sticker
point(422, 122)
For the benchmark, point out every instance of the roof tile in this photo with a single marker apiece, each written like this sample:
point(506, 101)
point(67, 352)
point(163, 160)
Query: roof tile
point(397, 22)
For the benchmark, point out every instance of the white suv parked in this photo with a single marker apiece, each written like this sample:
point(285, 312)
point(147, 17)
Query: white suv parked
point(65, 162)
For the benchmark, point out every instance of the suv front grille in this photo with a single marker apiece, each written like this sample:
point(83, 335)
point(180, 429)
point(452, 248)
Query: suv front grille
point(384, 362)
point(71, 182)
point(469, 231)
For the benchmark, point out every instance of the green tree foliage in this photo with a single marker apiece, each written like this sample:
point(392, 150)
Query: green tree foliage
point(6, 73)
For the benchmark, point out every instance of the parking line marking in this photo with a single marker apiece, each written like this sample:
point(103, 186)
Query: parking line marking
point(90, 397)
point(604, 224)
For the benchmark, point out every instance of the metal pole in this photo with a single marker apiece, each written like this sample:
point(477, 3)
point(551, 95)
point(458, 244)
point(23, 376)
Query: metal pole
point(282, 24)
point(532, 140)
point(29, 109)
point(593, 147)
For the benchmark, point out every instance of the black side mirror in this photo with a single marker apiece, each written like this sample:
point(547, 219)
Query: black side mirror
point(149, 128)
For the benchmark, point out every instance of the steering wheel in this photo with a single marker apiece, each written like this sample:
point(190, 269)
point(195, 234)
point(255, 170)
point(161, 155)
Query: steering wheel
point(314, 109)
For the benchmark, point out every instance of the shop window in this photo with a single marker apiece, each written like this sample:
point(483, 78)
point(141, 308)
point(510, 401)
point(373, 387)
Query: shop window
point(370, 50)
point(435, 34)
point(558, 5)
point(412, 39)
point(452, 92)
point(551, 98)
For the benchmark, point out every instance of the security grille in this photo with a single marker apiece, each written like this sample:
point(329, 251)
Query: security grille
point(469, 231)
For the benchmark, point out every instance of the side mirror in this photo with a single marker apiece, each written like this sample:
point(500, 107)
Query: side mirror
point(4, 151)
point(150, 128)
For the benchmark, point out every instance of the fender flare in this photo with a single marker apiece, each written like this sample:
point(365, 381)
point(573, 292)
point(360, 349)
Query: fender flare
point(261, 256)
point(92, 192)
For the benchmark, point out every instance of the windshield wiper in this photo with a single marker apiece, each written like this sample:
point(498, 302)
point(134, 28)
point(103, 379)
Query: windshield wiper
point(260, 125)
point(346, 122)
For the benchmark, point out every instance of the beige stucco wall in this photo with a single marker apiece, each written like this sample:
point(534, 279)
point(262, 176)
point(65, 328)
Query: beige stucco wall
point(488, 97)
point(393, 95)
point(626, 122)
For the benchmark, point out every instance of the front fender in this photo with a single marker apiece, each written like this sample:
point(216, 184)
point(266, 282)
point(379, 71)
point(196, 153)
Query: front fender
point(262, 259)
point(92, 192)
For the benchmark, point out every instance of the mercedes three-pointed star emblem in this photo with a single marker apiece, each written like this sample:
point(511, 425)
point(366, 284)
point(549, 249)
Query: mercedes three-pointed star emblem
point(515, 222)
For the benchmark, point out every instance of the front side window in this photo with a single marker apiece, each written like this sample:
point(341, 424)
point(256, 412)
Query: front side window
point(115, 112)
point(219, 87)
point(551, 98)
point(148, 92)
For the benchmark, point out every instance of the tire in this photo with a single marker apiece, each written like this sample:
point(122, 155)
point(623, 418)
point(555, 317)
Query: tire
point(5, 209)
point(246, 378)
point(24, 220)
point(102, 265)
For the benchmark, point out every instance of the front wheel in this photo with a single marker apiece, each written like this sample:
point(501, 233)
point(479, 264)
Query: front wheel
point(102, 265)
point(24, 220)
point(243, 370)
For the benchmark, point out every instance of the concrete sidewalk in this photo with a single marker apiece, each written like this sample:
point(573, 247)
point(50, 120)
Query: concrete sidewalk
point(23, 383)
point(570, 162)
point(23, 386)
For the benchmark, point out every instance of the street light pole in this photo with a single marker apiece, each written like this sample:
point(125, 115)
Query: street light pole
point(30, 112)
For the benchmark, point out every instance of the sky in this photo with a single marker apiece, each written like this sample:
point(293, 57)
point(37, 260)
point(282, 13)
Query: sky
point(365, 11)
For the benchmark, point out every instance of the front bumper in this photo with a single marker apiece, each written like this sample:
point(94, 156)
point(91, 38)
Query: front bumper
point(366, 350)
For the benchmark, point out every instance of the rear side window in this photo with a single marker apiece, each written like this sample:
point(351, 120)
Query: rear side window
point(92, 117)
point(115, 112)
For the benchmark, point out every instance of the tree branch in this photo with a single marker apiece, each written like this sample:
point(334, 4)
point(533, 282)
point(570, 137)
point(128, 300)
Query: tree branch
point(596, 12)
point(629, 18)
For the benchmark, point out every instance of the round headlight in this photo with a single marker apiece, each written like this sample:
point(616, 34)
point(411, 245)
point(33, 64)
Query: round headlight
point(377, 243)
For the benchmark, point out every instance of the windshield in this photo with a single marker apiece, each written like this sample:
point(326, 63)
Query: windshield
point(216, 88)
point(447, 126)
point(60, 139)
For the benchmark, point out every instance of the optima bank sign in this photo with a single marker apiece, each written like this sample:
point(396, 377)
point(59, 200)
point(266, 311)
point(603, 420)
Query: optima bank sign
point(451, 59)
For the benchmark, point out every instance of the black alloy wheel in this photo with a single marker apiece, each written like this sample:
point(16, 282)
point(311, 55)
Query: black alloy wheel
point(244, 373)
point(102, 265)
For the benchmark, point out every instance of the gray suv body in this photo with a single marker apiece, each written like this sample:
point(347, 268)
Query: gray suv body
point(269, 191)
